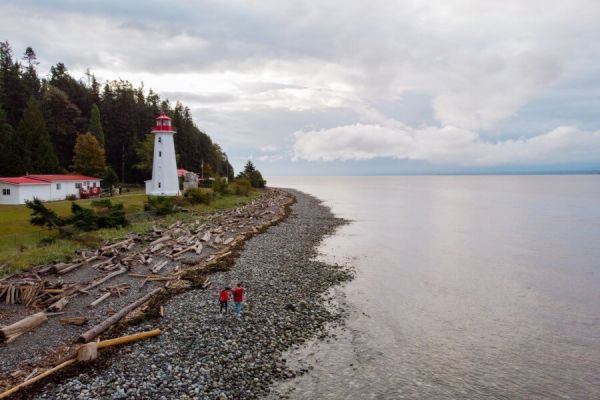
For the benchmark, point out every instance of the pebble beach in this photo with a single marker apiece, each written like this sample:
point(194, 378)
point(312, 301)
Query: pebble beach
point(202, 354)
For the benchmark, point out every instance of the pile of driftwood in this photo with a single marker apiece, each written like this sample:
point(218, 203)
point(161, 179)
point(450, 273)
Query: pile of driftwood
point(156, 255)
point(86, 353)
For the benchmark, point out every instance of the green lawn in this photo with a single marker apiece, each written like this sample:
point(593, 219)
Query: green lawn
point(19, 240)
point(14, 219)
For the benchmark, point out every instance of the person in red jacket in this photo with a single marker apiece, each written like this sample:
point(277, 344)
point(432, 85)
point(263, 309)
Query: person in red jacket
point(223, 299)
point(238, 298)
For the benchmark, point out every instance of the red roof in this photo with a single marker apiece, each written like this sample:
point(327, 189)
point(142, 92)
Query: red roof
point(22, 180)
point(163, 116)
point(182, 172)
point(58, 178)
point(43, 179)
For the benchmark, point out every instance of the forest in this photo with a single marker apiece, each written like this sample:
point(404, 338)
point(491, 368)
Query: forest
point(59, 124)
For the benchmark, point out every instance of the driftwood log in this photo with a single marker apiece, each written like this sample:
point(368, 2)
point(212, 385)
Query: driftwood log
point(99, 300)
point(100, 345)
point(104, 279)
point(87, 352)
point(11, 332)
point(113, 319)
point(74, 320)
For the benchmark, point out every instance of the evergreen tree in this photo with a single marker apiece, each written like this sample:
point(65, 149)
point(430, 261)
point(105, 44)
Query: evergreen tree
point(88, 156)
point(8, 147)
point(31, 82)
point(61, 117)
point(253, 175)
point(37, 154)
point(96, 125)
point(109, 179)
point(12, 92)
point(249, 168)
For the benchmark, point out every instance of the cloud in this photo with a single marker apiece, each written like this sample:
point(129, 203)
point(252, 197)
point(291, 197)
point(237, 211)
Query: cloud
point(445, 145)
point(268, 148)
point(466, 78)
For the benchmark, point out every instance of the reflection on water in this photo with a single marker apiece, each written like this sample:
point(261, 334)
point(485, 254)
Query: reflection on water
point(467, 287)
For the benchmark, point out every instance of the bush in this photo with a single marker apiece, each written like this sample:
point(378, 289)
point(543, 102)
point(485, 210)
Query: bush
point(219, 185)
point(199, 196)
point(71, 197)
point(242, 187)
point(105, 215)
point(160, 205)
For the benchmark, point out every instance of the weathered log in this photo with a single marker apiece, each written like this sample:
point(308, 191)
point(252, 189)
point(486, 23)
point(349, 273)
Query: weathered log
point(32, 374)
point(118, 244)
point(59, 305)
point(10, 332)
point(74, 320)
point(107, 323)
point(159, 266)
point(159, 240)
point(99, 300)
point(157, 247)
point(39, 377)
point(128, 338)
point(184, 251)
point(74, 266)
point(104, 279)
point(87, 352)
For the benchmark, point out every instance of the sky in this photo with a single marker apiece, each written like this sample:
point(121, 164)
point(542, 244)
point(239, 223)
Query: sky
point(349, 87)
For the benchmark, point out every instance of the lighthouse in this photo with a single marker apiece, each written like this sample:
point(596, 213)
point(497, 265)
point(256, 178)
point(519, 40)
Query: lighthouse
point(164, 180)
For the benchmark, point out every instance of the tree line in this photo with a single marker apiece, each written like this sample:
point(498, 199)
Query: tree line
point(59, 124)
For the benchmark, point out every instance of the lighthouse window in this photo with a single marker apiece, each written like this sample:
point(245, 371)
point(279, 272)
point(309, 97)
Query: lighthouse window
point(159, 140)
point(159, 185)
point(160, 153)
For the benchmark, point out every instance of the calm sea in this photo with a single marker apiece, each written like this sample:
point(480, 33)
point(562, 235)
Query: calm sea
point(472, 287)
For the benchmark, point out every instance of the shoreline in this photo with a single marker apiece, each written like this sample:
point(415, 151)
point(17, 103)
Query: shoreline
point(51, 343)
point(202, 355)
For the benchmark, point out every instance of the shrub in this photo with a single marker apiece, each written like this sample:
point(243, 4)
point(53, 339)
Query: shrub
point(43, 216)
point(160, 205)
point(242, 187)
point(219, 185)
point(71, 197)
point(199, 196)
point(104, 215)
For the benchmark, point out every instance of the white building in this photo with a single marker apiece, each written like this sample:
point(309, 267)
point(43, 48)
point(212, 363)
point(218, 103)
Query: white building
point(164, 180)
point(17, 190)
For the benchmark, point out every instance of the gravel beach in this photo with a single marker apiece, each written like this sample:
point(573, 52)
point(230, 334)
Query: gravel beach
point(202, 354)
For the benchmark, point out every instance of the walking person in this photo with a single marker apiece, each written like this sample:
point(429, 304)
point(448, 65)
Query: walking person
point(238, 298)
point(223, 299)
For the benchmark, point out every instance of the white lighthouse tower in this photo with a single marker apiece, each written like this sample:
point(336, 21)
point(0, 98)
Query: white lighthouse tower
point(164, 180)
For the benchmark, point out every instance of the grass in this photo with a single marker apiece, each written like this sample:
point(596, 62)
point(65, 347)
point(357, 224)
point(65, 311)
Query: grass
point(20, 245)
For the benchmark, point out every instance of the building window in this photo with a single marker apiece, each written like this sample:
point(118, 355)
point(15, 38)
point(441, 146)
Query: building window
point(78, 185)
point(160, 153)
point(159, 140)
point(159, 185)
point(86, 184)
point(94, 184)
point(58, 186)
point(6, 192)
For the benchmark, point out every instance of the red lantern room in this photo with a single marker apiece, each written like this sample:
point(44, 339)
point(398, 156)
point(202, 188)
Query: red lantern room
point(163, 123)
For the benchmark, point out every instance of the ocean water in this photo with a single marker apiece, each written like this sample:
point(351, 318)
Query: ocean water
point(474, 287)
